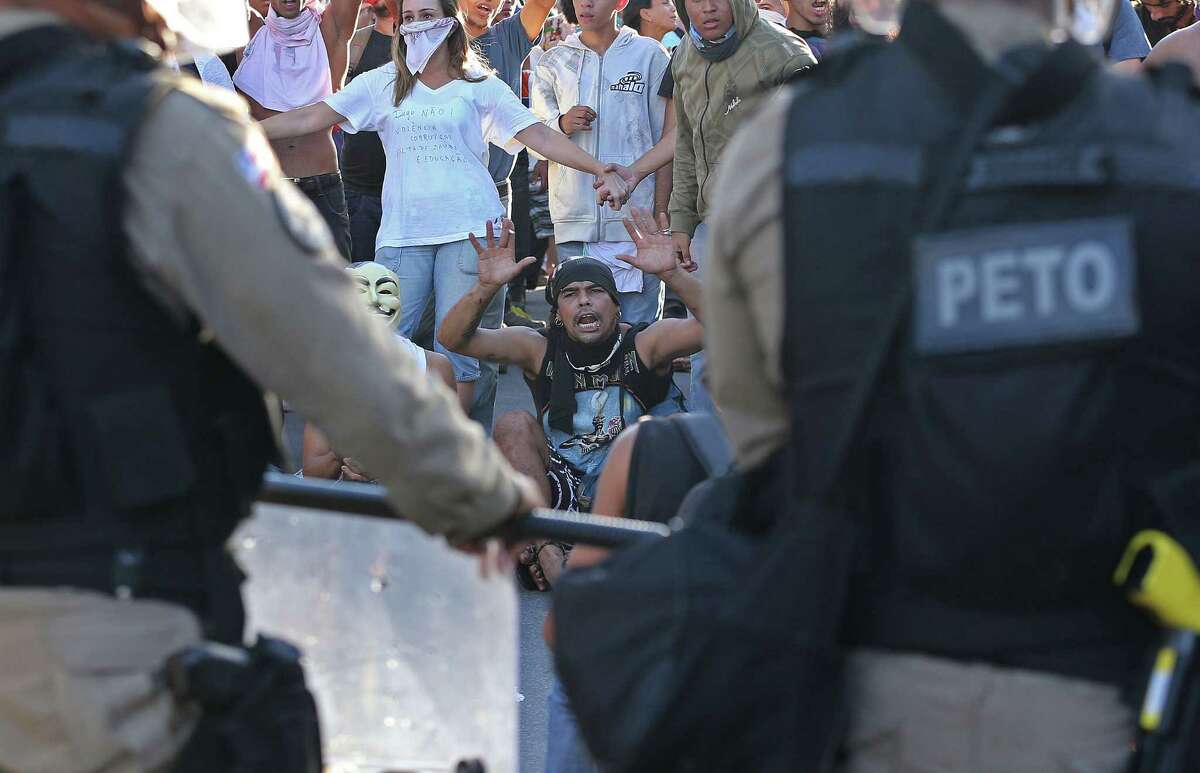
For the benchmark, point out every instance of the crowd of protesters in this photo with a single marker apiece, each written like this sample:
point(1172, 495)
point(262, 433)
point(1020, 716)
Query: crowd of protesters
point(409, 127)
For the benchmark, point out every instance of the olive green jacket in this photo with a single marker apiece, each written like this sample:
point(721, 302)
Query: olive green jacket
point(712, 99)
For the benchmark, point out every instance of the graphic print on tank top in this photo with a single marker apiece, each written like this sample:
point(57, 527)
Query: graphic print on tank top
point(608, 399)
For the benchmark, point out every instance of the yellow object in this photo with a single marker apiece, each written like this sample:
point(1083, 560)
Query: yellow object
point(1157, 573)
point(1159, 689)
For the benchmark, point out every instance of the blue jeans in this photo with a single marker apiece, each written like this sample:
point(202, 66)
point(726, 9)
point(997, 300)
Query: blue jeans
point(447, 271)
point(644, 306)
point(701, 401)
point(565, 749)
point(366, 211)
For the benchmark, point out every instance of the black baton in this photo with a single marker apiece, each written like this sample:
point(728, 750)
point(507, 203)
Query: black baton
point(369, 499)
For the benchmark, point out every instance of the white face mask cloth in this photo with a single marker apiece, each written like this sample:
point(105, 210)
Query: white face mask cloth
point(422, 38)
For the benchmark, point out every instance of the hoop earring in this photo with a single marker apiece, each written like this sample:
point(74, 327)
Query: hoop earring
point(558, 322)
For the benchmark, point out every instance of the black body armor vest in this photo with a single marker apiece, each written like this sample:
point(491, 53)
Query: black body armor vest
point(1042, 397)
point(148, 438)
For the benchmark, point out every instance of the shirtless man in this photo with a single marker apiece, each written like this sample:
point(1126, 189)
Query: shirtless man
point(1181, 46)
point(288, 65)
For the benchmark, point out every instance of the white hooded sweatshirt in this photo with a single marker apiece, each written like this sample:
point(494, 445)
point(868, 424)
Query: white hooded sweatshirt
point(622, 87)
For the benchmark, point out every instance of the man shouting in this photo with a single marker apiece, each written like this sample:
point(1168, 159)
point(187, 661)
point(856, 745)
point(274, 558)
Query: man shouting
point(591, 374)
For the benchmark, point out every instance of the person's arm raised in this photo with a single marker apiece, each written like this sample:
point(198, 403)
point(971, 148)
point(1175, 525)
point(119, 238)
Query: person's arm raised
point(344, 15)
point(547, 143)
point(305, 120)
point(460, 331)
point(666, 339)
point(533, 16)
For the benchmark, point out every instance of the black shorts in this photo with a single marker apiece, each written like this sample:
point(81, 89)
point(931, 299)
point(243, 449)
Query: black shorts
point(565, 482)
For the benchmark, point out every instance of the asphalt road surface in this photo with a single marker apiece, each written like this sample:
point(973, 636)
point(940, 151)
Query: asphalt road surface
point(536, 668)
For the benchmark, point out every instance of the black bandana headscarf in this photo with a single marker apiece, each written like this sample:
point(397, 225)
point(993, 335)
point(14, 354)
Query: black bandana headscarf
point(570, 354)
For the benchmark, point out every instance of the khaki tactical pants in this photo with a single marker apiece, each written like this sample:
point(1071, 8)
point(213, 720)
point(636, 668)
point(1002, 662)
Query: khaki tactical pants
point(914, 714)
point(78, 691)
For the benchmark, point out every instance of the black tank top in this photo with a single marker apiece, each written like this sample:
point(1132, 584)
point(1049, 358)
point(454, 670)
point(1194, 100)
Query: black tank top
point(363, 162)
point(626, 369)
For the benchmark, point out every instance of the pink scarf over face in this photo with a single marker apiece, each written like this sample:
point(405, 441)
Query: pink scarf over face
point(285, 65)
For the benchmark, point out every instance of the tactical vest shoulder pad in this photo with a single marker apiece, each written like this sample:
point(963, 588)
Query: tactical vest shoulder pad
point(89, 103)
point(842, 55)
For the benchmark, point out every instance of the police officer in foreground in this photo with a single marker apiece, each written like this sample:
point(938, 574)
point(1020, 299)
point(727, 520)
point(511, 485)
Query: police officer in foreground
point(985, 295)
point(155, 274)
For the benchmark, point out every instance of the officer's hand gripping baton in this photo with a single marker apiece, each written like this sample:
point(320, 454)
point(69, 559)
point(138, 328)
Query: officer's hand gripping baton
point(1157, 574)
point(369, 500)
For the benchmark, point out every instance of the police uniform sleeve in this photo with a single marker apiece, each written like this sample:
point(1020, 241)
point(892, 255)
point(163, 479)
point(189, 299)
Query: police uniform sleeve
point(743, 288)
point(211, 220)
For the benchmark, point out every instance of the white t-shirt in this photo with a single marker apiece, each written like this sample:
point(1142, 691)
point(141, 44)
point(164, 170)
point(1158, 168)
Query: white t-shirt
point(437, 188)
point(418, 354)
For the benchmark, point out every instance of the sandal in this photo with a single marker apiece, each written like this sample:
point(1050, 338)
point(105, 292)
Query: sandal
point(530, 573)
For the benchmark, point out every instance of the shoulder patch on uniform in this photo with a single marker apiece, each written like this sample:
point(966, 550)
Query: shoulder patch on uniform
point(255, 160)
point(1025, 285)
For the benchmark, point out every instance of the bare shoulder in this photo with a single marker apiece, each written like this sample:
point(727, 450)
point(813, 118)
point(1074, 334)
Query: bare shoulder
point(527, 347)
point(1181, 46)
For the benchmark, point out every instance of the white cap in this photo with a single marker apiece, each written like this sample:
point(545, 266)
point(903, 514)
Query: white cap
point(216, 26)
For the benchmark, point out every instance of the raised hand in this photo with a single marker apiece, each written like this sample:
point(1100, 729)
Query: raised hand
point(496, 265)
point(655, 248)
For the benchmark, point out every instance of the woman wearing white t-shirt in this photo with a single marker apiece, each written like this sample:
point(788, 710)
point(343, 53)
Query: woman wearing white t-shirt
point(435, 127)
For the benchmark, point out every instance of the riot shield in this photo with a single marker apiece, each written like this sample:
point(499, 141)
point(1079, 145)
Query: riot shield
point(411, 655)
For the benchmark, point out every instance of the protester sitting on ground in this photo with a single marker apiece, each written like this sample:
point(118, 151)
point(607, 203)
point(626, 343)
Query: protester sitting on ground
point(1182, 46)
point(436, 108)
point(380, 292)
point(297, 56)
point(591, 375)
point(600, 88)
